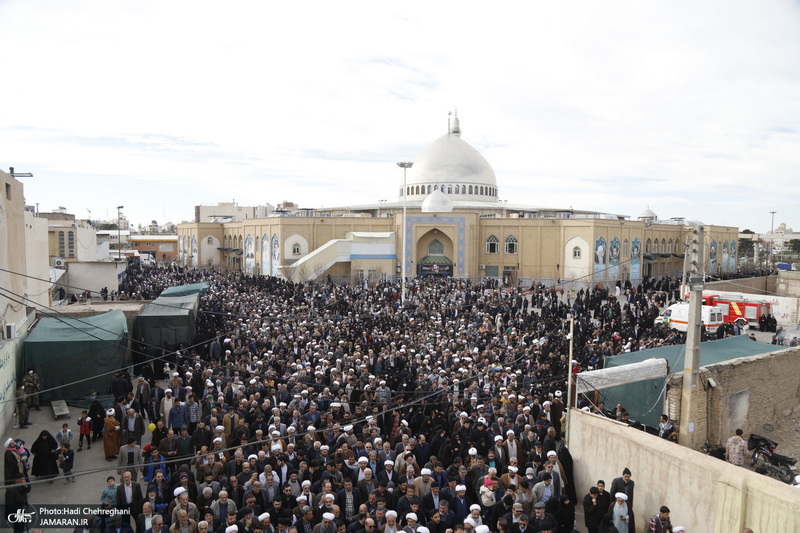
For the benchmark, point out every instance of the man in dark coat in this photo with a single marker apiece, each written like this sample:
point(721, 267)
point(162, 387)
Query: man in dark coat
point(593, 510)
point(129, 497)
point(623, 484)
point(16, 501)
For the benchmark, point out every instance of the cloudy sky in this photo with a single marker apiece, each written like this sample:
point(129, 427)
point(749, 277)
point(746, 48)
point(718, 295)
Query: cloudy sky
point(690, 108)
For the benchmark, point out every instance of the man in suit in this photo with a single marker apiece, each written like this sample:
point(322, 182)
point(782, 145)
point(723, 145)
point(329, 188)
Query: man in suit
point(142, 394)
point(129, 497)
point(624, 484)
point(145, 519)
point(158, 525)
point(549, 468)
point(349, 499)
point(130, 458)
point(432, 500)
point(523, 525)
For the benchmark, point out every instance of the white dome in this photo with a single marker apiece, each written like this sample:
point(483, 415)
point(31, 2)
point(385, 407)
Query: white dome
point(437, 202)
point(451, 165)
point(647, 214)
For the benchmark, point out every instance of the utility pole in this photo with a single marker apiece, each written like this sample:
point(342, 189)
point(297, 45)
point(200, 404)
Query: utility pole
point(570, 403)
point(696, 275)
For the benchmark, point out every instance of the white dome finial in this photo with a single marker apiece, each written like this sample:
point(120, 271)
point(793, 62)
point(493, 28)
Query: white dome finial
point(454, 126)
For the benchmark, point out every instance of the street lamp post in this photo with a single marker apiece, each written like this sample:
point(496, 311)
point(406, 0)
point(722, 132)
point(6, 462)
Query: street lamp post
point(772, 239)
point(405, 166)
point(119, 232)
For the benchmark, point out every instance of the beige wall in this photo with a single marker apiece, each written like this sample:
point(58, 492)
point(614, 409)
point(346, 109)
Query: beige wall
point(750, 392)
point(704, 494)
point(788, 283)
point(760, 285)
point(37, 260)
point(542, 243)
point(92, 276)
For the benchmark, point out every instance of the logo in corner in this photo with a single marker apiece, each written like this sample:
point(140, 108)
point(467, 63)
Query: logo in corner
point(22, 516)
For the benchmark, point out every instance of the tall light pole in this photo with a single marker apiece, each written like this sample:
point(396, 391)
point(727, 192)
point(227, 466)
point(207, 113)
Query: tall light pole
point(771, 239)
point(119, 232)
point(405, 166)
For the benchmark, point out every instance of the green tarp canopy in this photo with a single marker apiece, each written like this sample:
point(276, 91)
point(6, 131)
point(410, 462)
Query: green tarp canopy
point(77, 355)
point(644, 400)
point(169, 320)
point(184, 290)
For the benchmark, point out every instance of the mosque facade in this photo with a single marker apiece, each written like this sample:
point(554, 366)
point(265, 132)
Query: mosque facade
point(455, 225)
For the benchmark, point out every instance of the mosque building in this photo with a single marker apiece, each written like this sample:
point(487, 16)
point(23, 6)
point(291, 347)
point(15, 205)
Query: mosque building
point(454, 225)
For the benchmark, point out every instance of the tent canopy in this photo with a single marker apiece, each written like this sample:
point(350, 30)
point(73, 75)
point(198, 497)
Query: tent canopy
point(183, 290)
point(169, 320)
point(645, 400)
point(69, 352)
point(620, 375)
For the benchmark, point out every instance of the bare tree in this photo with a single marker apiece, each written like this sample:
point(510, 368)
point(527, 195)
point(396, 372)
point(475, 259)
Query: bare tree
point(288, 272)
point(302, 273)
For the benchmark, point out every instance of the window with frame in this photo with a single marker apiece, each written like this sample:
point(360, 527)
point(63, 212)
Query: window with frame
point(492, 245)
point(435, 247)
point(576, 252)
point(647, 245)
point(210, 240)
point(71, 243)
point(61, 244)
point(511, 244)
point(625, 248)
point(296, 249)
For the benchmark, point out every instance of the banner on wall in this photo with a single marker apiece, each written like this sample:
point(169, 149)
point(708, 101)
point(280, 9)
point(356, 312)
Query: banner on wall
point(726, 263)
point(636, 259)
point(600, 258)
point(265, 256)
point(712, 257)
point(614, 253)
point(249, 255)
point(276, 255)
point(435, 269)
point(194, 253)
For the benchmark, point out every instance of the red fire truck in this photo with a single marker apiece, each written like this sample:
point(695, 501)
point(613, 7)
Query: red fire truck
point(734, 309)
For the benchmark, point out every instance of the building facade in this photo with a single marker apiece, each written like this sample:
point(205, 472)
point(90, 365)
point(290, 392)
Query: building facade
point(24, 285)
point(455, 225)
point(162, 248)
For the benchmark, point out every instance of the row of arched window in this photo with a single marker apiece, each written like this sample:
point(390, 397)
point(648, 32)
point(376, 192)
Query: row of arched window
point(237, 242)
point(493, 245)
point(480, 190)
point(233, 242)
point(665, 246)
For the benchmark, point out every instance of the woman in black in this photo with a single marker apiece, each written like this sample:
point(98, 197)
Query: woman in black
point(44, 450)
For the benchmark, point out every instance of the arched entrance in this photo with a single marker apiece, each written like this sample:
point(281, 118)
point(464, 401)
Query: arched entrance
point(435, 262)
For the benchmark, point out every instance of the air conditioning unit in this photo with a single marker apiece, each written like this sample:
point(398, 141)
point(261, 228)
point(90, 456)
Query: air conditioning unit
point(11, 331)
point(59, 262)
point(481, 267)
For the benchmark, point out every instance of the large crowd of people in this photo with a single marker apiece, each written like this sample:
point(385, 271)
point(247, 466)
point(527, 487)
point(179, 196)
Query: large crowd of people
point(329, 408)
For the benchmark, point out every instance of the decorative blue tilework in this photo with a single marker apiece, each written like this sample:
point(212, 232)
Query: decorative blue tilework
point(460, 248)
